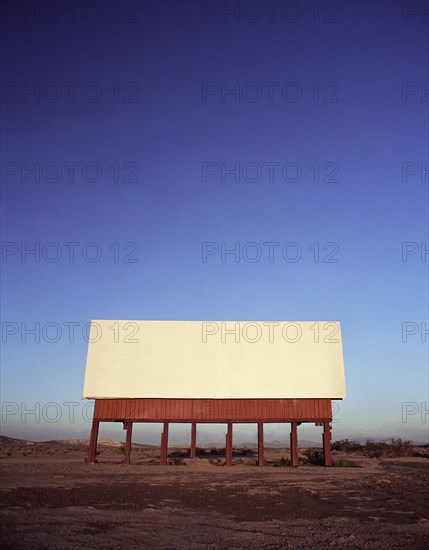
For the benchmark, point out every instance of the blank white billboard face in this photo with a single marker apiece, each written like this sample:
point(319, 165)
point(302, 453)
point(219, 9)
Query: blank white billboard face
point(214, 359)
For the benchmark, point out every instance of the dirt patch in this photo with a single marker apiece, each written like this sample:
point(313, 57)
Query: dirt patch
point(55, 501)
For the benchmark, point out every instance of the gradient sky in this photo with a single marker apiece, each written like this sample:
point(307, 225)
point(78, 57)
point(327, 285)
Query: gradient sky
point(355, 83)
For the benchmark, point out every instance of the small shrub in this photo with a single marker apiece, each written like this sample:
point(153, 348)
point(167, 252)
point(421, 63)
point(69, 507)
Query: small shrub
point(314, 457)
point(347, 446)
point(284, 462)
point(375, 449)
point(420, 455)
point(177, 462)
point(391, 448)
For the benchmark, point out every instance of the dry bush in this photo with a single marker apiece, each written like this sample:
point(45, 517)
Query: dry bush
point(314, 456)
point(284, 462)
point(392, 448)
point(346, 446)
point(375, 449)
point(176, 462)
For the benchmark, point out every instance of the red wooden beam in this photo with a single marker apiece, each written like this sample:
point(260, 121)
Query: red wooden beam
point(294, 445)
point(129, 427)
point(202, 410)
point(194, 440)
point(261, 459)
point(327, 458)
point(161, 450)
point(164, 445)
point(228, 458)
point(92, 450)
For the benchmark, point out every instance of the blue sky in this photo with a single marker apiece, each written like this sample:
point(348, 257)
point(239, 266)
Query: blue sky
point(134, 101)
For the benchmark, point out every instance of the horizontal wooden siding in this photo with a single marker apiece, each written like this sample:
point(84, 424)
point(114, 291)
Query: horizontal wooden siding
point(213, 410)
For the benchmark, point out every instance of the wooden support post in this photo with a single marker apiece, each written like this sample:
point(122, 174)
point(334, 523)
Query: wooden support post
point(164, 444)
point(260, 444)
point(228, 450)
point(327, 458)
point(129, 427)
point(161, 450)
point(92, 450)
point(194, 441)
point(294, 445)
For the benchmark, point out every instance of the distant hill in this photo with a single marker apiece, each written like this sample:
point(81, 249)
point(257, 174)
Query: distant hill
point(380, 439)
point(11, 442)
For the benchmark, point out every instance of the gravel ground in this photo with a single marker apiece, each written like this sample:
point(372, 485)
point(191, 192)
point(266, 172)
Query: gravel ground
point(52, 500)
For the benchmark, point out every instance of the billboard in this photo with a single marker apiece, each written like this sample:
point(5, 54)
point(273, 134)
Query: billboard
point(214, 359)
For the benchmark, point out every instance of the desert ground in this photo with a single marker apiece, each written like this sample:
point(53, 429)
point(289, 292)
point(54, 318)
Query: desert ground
point(51, 499)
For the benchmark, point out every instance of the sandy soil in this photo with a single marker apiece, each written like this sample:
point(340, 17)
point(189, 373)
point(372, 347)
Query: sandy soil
point(52, 500)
